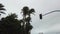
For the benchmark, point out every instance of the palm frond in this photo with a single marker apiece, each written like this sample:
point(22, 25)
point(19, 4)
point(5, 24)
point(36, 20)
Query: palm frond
point(32, 11)
point(1, 5)
point(2, 9)
point(2, 12)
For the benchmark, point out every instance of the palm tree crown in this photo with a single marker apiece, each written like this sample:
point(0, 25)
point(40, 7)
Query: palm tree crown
point(26, 11)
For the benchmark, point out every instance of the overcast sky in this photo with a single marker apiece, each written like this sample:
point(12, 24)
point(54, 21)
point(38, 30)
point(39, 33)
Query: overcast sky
point(50, 24)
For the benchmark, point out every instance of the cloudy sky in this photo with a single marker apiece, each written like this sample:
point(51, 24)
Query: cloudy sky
point(50, 24)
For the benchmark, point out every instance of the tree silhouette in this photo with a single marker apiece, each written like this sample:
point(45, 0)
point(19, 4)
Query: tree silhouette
point(1, 8)
point(11, 25)
point(26, 20)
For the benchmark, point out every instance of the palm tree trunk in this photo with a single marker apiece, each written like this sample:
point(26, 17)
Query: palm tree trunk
point(24, 18)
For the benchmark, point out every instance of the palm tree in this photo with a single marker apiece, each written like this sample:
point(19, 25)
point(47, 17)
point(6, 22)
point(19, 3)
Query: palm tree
point(1, 8)
point(26, 12)
point(26, 20)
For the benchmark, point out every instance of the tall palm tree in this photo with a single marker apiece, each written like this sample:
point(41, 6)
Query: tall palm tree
point(26, 11)
point(1, 8)
point(26, 20)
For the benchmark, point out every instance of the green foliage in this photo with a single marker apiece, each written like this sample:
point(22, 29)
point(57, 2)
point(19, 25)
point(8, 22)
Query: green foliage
point(11, 25)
